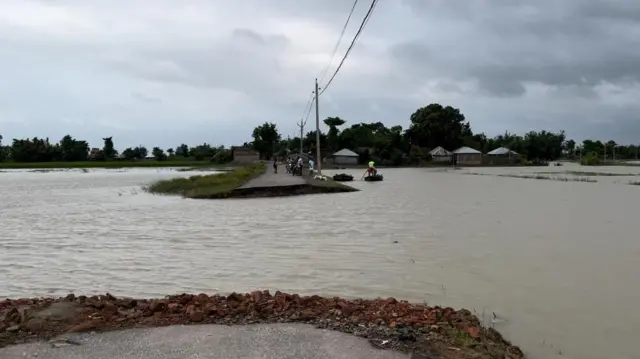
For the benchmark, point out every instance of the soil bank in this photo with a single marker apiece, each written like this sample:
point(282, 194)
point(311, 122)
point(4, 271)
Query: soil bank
point(386, 323)
point(249, 181)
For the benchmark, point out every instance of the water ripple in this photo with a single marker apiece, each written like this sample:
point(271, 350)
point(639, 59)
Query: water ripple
point(536, 252)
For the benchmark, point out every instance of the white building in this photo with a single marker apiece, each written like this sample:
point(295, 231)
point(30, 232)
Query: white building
point(439, 154)
point(468, 156)
point(345, 157)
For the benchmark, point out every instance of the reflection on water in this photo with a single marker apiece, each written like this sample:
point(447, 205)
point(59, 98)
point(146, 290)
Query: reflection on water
point(558, 260)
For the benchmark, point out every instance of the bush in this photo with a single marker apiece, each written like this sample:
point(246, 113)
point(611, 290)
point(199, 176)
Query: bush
point(590, 159)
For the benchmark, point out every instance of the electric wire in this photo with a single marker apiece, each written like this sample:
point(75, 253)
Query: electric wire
point(306, 112)
point(337, 45)
point(308, 107)
point(365, 20)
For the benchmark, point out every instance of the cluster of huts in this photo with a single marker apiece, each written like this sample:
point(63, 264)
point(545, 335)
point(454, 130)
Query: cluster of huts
point(464, 156)
point(471, 157)
point(344, 157)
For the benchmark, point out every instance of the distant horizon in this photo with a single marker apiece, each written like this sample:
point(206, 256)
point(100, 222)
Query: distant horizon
point(7, 142)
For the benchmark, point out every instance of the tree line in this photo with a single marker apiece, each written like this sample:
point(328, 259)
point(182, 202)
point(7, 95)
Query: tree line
point(69, 149)
point(429, 127)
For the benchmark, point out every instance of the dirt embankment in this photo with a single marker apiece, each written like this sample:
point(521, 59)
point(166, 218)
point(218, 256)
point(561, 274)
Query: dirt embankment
point(286, 191)
point(387, 323)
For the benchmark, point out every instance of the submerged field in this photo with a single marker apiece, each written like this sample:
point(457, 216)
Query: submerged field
point(539, 254)
point(104, 164)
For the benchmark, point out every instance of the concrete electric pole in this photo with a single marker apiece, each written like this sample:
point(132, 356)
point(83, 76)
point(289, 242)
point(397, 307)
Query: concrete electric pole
point(301, 125)
point(318, 158)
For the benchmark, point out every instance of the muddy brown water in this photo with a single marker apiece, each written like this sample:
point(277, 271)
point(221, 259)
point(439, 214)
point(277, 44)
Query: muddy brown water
point(558, 262)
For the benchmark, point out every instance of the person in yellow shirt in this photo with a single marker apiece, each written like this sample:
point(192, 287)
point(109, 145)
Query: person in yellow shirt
point(371, 171)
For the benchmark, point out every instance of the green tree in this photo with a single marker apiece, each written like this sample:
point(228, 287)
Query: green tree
point(129, 154)
point(544, 145)
point(73, 150)
point(34, 150)
point(333, 142)
point(436, 125)
point(202, 151)
point(135, 153)
point(309, 143)
point(182, 150)
point(140, 152)
point(222, 155)
point(170, 152)
point(108, 150)
point(265, 139)
point(569, 147)
point(158, 153)
point(2, 150)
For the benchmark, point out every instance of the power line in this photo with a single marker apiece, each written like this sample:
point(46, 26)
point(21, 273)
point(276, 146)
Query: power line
point(307, 109)
point(353, 42)
point(309, 105)
point(305, 117)
point(335, 48)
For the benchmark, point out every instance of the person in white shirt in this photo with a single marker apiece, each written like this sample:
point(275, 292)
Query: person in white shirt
point(299, 165)
point(311, 164)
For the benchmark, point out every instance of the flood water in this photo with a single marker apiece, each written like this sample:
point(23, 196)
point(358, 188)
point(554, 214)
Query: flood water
point(558, 262)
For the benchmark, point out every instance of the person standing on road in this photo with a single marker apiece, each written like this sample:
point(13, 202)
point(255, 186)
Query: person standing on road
point(299, 165)
point(311, 164)
point(275, 165)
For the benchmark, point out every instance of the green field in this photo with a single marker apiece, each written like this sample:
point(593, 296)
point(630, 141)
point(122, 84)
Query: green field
point(207, 186)
point(105, 164)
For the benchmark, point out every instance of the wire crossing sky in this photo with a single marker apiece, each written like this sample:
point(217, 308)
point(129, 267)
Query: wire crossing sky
point(198, 71)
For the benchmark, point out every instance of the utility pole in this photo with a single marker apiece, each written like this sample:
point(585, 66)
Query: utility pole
point(301, 125)
point(318, 158)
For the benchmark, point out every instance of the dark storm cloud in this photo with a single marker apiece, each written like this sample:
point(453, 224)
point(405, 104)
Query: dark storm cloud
point(563, 43)
point(244, 57)
point(224, 67)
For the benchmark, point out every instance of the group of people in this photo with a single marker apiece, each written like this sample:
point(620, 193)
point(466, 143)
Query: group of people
point(295, 166)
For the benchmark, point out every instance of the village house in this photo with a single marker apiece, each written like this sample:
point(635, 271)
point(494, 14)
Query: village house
point(502, 155)
point(441, 155)
point(345, 157)
point(95, 153)
point(244, 155)
point(468, 156)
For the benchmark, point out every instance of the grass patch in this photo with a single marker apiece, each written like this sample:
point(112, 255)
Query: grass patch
point(102, 164)
point(207, 186)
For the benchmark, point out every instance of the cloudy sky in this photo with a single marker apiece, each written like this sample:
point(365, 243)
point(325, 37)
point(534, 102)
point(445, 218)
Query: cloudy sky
point(163, 72)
